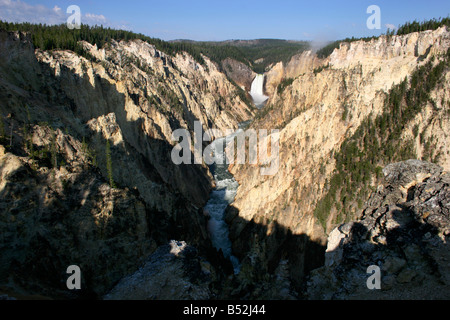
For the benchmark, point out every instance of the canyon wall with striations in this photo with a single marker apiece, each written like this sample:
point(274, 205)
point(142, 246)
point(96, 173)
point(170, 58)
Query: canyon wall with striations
point(325, 104)
point(86, 170)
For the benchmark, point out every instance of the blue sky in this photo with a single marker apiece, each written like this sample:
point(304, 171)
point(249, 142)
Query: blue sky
point(231, 19)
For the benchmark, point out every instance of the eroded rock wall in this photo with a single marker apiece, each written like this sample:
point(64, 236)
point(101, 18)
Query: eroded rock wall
point(86, 170)
point(315, 114)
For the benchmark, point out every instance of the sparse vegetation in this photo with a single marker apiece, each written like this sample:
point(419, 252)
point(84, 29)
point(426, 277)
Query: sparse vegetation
point(88, 153)
point(171, 98)
point(264, 111)
point(53, 150)
point(242, 94)
point(284, 84)
point(345, 113)
point(321, 68)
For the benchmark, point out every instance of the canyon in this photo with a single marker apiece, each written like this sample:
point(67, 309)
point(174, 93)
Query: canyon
point(132, 97)
point(86, 175)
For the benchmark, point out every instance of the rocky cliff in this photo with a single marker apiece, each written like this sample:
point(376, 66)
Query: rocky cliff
point(404, 230)
point(86, 173)
point(239, 72)
point(316, 112)
point(299, 64)
point(173, 272)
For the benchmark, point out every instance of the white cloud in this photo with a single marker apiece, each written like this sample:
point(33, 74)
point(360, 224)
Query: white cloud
point(20, 11)
point(91, 18)
point(390, 26)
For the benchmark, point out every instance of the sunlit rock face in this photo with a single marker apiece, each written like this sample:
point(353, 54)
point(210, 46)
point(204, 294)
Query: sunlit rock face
point(309, 112)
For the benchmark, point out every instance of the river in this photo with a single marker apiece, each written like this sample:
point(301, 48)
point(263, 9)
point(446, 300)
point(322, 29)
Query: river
point(226, 186)
point(221, 197)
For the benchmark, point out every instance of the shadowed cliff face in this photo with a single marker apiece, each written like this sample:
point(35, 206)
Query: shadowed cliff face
point(53, 219)
point(178, 271)
point(173, 272)
point(274, 260)
point(60, 111)
point(56, 217)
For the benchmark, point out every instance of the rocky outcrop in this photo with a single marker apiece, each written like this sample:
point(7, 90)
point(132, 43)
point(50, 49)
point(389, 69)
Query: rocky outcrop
point(173, 272)
point(404, 230)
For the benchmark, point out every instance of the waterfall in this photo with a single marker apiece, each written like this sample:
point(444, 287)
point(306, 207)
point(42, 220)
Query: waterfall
point(257, 91)
point(226, 186)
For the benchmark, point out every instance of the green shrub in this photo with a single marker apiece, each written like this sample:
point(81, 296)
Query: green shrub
point(284, 84)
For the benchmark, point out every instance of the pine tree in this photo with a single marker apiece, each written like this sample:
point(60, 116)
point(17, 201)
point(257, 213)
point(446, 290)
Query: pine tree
point(109, 168)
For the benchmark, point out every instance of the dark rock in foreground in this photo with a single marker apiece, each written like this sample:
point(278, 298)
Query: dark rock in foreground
point(173, 272)
point(404, 230)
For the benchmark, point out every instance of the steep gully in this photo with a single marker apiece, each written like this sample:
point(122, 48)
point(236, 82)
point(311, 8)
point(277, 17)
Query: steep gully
point(226, 186)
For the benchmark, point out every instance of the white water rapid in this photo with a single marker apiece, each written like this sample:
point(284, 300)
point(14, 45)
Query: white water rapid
point(221, 197)
point(226, 186)
point(257, 91)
